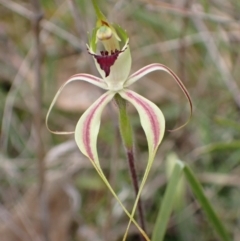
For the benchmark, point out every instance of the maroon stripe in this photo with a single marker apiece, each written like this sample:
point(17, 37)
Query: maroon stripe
point(87, 128)
point(155, 125)
point(87, 76)
point(179, 82)
point(140, 71)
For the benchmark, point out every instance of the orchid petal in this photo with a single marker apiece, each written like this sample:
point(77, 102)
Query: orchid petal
point(83, 77)
point(153, 124)
point(151, 117)
point(86, 133)
point(87, 128)
point(153, 67)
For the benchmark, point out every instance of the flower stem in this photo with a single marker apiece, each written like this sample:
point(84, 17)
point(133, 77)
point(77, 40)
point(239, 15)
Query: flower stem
point(124, 123)
point(127, 138)
point(43, 208)
point(131, 163)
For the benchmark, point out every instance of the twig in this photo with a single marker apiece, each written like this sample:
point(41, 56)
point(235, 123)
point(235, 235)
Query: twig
point(24, 68)
point(182, 49)
point(162, 6)
point(78, 21)
point(216, 57)
point(38, 117)
point(175, 44)
point(220, 179)
point(7, 219)
point(15, 7)
point(82, 39)
point(45, 24)
point(53, 28)
point(38, 87)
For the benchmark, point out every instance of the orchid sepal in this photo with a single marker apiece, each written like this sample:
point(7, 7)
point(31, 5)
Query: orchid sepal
point(102, 175)
point(109, 47)
point(86, 134)
point(87, 128)
point(154, 67)
point(82, 77)
point(153, 124)
point(151, 118)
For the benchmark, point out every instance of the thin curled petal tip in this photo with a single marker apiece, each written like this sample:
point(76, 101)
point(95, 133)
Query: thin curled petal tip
point(77, 77)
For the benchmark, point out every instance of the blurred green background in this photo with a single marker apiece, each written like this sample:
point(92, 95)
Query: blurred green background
point(199, 40)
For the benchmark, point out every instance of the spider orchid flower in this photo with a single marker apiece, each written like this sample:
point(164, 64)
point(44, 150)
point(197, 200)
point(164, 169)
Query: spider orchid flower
point(109, 47)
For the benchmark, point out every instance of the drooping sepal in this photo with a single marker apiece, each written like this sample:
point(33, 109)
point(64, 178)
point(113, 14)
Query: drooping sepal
point(153, 124)
point(86, 133)
point(87, 128)
point(151, 117)
point(153, 67)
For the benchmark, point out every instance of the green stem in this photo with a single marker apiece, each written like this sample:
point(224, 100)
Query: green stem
point(127, 138)
point(124, 123)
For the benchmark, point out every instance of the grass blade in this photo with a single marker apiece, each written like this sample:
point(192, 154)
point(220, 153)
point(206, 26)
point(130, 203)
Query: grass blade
point(167, 203)
point(212, 216)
